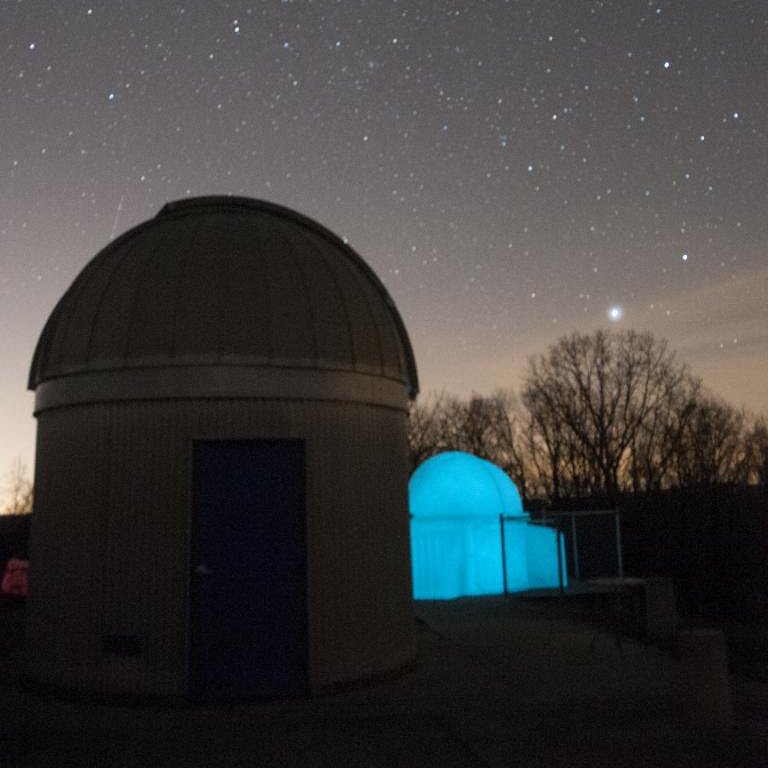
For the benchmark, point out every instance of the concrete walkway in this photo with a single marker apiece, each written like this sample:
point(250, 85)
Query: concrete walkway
point(497, 683)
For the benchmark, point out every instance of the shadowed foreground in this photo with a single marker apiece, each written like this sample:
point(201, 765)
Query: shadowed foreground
point(497, 683)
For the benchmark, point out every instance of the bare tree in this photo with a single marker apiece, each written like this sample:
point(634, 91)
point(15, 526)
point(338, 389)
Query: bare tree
point(712, 444)
point(493, 429)
point(435, 425)
point(754, 459)
point(486, 426)
point(422, 432)
point(18, 489)
point(596, 392)
point(559, 467)
point(603, 413)
point(659, 440)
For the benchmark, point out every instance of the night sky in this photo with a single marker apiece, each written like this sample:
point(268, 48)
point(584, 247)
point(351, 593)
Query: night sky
point(513, 171)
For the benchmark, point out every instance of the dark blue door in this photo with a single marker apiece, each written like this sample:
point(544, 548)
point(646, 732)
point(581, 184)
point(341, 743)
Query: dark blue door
point(248, 625)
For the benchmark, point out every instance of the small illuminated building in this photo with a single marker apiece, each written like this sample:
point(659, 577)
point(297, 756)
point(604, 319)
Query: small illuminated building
point(459, 504)
point(221, 504)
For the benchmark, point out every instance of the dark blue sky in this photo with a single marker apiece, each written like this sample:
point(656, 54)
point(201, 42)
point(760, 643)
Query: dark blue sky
point(510, 170)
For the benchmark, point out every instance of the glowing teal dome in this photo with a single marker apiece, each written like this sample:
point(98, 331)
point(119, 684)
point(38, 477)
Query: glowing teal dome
point(460, 484)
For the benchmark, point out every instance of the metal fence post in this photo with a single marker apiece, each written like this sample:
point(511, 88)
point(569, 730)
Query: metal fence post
point(559, 561)
point(503, 554)
point(619, 556)
point(575, 542)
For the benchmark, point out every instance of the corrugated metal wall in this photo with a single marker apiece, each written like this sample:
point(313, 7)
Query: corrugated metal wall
point(110, 537)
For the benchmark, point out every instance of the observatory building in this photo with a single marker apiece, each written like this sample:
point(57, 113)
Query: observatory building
point(221, 502)
point(465, 513)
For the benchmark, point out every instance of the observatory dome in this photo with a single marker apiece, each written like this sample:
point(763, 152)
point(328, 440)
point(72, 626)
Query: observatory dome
point(226, 281)
point(460, 484)
point(222, 417)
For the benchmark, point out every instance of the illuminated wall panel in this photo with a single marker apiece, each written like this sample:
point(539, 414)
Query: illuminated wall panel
point(541, 548)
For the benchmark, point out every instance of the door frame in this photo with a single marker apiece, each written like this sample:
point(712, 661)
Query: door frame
point(242, 438)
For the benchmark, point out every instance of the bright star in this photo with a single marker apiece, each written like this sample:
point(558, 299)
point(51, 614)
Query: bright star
point(615, 313)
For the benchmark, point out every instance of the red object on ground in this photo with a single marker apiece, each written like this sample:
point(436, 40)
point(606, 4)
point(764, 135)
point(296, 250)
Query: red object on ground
point(15, 577)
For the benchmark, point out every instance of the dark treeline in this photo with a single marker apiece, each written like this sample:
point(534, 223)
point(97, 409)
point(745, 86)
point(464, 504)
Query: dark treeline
point(597, 416)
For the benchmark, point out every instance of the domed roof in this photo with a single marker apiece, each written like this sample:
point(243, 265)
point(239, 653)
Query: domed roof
point(217, 281)
point(458, 483)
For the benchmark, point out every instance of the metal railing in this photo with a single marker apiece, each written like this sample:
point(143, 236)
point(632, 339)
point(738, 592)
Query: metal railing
point(525, 518)
point(574, 516)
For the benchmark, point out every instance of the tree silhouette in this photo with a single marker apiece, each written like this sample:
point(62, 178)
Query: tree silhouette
point(18, 489)
point(598, 393)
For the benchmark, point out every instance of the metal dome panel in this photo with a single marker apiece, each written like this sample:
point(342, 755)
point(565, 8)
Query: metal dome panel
point(226, 281)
